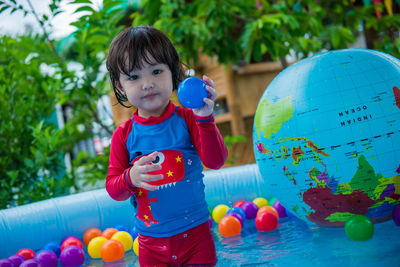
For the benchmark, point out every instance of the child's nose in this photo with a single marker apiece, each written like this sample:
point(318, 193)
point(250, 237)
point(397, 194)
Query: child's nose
point(148, 84)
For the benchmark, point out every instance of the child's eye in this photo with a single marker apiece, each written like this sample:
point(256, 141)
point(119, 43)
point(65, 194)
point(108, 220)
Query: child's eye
point(133, 77)
point(155, 72)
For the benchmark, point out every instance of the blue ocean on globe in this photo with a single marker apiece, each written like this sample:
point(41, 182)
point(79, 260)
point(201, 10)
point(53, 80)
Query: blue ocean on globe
point(327, 136)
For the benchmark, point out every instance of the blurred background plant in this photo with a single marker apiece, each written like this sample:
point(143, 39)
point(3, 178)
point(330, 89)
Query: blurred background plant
point(55, 91)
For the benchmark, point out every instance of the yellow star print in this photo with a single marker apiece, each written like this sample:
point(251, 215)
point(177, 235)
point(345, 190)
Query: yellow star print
point(169, 173)
point(140, 193)
point(178, 159)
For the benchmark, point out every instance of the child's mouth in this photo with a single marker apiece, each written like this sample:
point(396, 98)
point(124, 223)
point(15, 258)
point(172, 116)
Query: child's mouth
point(149, 96)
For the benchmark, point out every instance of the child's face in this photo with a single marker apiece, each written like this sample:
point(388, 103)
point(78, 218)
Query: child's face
point(149, 88)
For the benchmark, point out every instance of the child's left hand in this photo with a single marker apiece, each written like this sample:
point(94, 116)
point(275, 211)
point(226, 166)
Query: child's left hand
point(208, 107)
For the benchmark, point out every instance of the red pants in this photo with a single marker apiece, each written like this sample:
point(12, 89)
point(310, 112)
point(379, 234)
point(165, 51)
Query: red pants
point(194, 247)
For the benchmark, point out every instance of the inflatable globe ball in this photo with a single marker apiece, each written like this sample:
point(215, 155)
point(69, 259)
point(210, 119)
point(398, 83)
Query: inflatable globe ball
point(326, 136)
point(359, 228)
point(396, 215)
point(191, 92)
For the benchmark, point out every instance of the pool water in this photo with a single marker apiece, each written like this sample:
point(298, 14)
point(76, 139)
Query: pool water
point(294, 243)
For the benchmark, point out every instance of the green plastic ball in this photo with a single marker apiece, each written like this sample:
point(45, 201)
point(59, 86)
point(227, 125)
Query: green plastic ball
point(359, 228)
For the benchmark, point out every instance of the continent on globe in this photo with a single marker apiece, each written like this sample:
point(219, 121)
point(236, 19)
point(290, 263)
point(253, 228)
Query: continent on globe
point(278, 113)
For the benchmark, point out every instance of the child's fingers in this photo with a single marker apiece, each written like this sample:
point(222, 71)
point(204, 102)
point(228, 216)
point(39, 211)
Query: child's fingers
point(147, 159)
point(153, 177)
point(149, 168)
point(212, 92)
point(148, 186)
point(208, 81)
point(209, 102)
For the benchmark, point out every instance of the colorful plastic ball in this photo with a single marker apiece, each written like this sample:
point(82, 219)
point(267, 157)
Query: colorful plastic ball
point(136, 246)
point(272, 201)
point(53, 246)
point(237, 216)
point(250, 209)
point(17, 259)
point(266, 221)
point(72, 241)
point(109, 232)
point(47, 258)
point(125, 238)
point(229, 226)
point(239, 211)
point(239, 203)
point(6, 263)
point(112, 250)
point(27, 253)
point(122, 227)
point(95, 245)
point(260, 202)
point(219, 212)
point(30, 263)
point(191, 92)
point(68, 237)
point(359, 227)
point(72, 256)
point(270, 209)
point(280, 209)
point(396, 215)
point(90, 234)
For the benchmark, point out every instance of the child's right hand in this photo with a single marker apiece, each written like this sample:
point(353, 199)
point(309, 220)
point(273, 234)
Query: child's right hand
point(139, 172)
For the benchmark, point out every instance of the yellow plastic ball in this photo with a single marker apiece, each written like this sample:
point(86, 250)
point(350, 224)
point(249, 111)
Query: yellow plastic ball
point(136, 246)
point(95, 245)
point(125, 238)
point(219, 212)
point(260, 202)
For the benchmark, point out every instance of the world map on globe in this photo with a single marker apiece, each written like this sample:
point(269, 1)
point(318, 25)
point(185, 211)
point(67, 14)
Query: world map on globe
point(327, 136)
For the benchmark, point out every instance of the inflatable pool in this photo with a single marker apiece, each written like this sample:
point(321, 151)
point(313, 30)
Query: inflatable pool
point(33, 225)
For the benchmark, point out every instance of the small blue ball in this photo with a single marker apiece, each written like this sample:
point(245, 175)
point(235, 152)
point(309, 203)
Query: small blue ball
point(121, 227)
point(52, 246)
point(191, 92)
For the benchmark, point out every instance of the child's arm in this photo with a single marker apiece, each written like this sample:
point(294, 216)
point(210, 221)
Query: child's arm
point(116, 182)
point(123, 179)
point(204, 134)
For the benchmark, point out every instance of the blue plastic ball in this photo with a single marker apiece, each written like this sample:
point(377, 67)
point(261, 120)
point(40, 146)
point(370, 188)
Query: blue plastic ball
point(191, 92)
point(52, 246)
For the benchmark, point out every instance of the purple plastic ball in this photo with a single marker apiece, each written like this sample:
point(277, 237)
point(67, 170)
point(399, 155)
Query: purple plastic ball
point(31, 263)
point(236, 215)
point(17, 259)
point(280, 209)
point(72, 256)
point(239, 211)
point(250, 209)
point(396, 215)
point(47, 258)
point(6, 263)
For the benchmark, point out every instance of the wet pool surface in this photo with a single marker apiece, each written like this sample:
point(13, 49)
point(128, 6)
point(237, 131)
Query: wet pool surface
point(296, 243)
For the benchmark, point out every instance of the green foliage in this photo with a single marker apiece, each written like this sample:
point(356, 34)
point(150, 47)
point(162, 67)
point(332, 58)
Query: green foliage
point(31, 148)
point(255, 30)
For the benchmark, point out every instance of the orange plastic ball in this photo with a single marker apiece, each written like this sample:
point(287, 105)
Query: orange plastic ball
point(109, 232)
point(90, 234)
point(266, 221)
point(72, 241)
point(229, 226)
point(270, 209)
point(112, 250)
